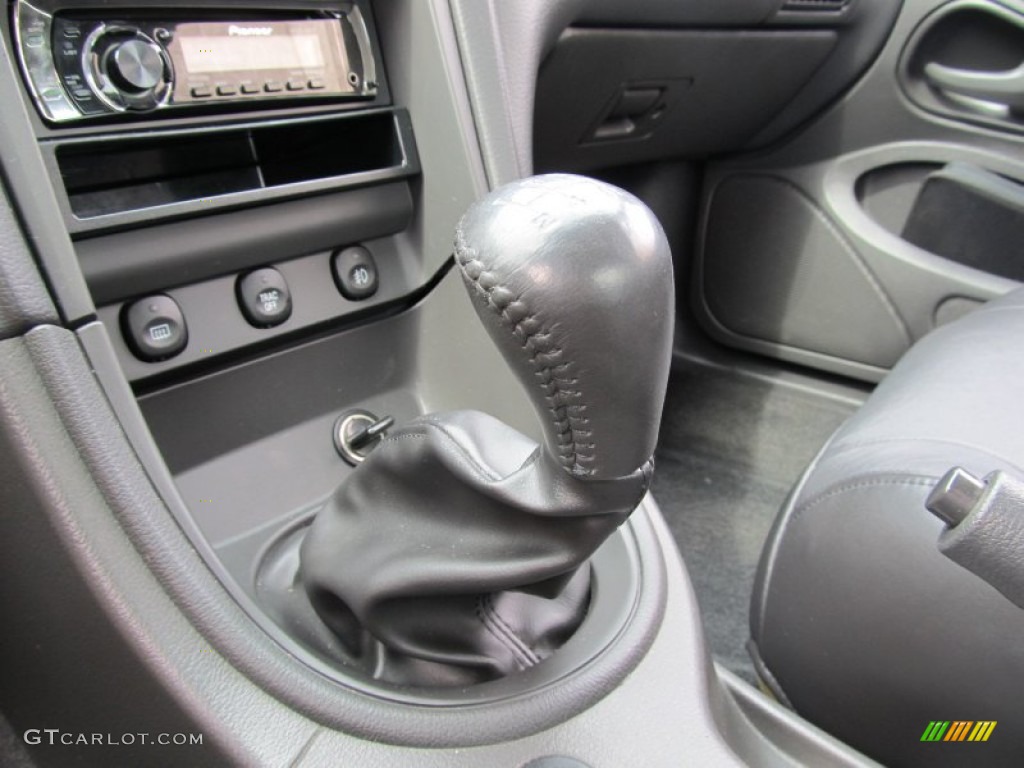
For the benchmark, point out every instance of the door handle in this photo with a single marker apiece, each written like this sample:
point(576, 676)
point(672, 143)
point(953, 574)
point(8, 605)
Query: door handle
point(1003, 87)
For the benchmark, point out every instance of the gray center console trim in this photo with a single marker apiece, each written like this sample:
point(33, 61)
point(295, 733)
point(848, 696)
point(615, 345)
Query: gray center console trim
point(672, 681)
point(24, 301)
point(186, 252)
point(34, 200)
point(799, 740)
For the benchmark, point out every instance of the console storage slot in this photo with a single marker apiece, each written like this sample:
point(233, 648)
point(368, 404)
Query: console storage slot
point(126, 180)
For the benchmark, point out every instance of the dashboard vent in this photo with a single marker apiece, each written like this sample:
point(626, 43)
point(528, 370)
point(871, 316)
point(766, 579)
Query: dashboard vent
point(815, 5)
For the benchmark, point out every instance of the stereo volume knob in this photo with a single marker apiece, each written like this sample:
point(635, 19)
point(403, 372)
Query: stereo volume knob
point(126, 69)
point(136, 66)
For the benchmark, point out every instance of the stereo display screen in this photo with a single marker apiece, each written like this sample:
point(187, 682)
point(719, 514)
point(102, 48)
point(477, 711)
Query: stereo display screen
point(214, 48)
point(209, 53)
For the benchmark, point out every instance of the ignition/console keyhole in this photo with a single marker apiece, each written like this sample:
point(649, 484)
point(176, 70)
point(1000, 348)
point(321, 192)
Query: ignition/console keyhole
point(357, 433)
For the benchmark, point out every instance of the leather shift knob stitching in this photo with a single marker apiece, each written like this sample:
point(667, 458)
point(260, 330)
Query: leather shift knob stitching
point(543, 354)
point(572, 279)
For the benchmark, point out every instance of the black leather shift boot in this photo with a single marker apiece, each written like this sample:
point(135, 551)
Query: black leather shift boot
point(429, 544)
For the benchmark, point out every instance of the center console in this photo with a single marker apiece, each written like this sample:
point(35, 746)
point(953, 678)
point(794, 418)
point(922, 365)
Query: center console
point(248, 220)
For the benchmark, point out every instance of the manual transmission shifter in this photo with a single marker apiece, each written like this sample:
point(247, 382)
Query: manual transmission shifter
point(458, 542)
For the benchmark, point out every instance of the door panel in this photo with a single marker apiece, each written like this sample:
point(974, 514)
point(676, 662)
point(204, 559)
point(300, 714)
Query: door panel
point(801, 253)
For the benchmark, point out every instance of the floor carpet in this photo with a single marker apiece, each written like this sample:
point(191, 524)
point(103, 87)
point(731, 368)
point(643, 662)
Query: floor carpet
point(731, 447)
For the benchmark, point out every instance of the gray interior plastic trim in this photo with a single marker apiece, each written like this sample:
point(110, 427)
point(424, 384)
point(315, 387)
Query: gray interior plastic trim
point(426, 78)
point(24, 301)
point(665, 698)
point(795, 737)
point(131, 263)
point(873, 126)
point(778, 269)
point(34, 200)
point(917, 282)
point(718, 88)
point(230, 637)
point(485, 72)
point(572, 693)
point(65, 558)
point(503, 45)
point(868, 24)
point(672, 13)
point(917, 90)
point(217, 327)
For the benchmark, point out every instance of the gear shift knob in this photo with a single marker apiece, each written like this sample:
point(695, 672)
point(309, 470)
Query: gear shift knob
point(573, 280)
point(458, 549)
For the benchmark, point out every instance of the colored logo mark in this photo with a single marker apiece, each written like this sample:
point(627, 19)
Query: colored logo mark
point(958, 730)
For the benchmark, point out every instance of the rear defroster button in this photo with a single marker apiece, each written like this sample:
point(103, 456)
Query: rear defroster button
point(355, 273)
point(155, 328)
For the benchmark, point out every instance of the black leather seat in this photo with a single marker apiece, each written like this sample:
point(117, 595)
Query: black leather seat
point(857, 620)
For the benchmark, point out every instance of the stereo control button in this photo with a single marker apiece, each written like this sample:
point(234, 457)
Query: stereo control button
point(250, 88)
point(272, 86)
point(201, 92)
point(154, 328)
point(226, 90)
point(355, 273)
point(296, 85)
point(316, 83)
point(264, 298)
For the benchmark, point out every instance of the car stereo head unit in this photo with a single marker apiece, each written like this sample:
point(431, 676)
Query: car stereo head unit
point(82, 65)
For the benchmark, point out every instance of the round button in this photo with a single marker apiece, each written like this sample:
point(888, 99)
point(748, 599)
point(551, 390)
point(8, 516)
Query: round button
point(137, 65)
point(355, 273)
point(155, 328)
point(264, 298)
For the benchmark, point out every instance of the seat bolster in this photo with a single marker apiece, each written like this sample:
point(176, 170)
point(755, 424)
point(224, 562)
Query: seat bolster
point(857, 619)
point(868, 631)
